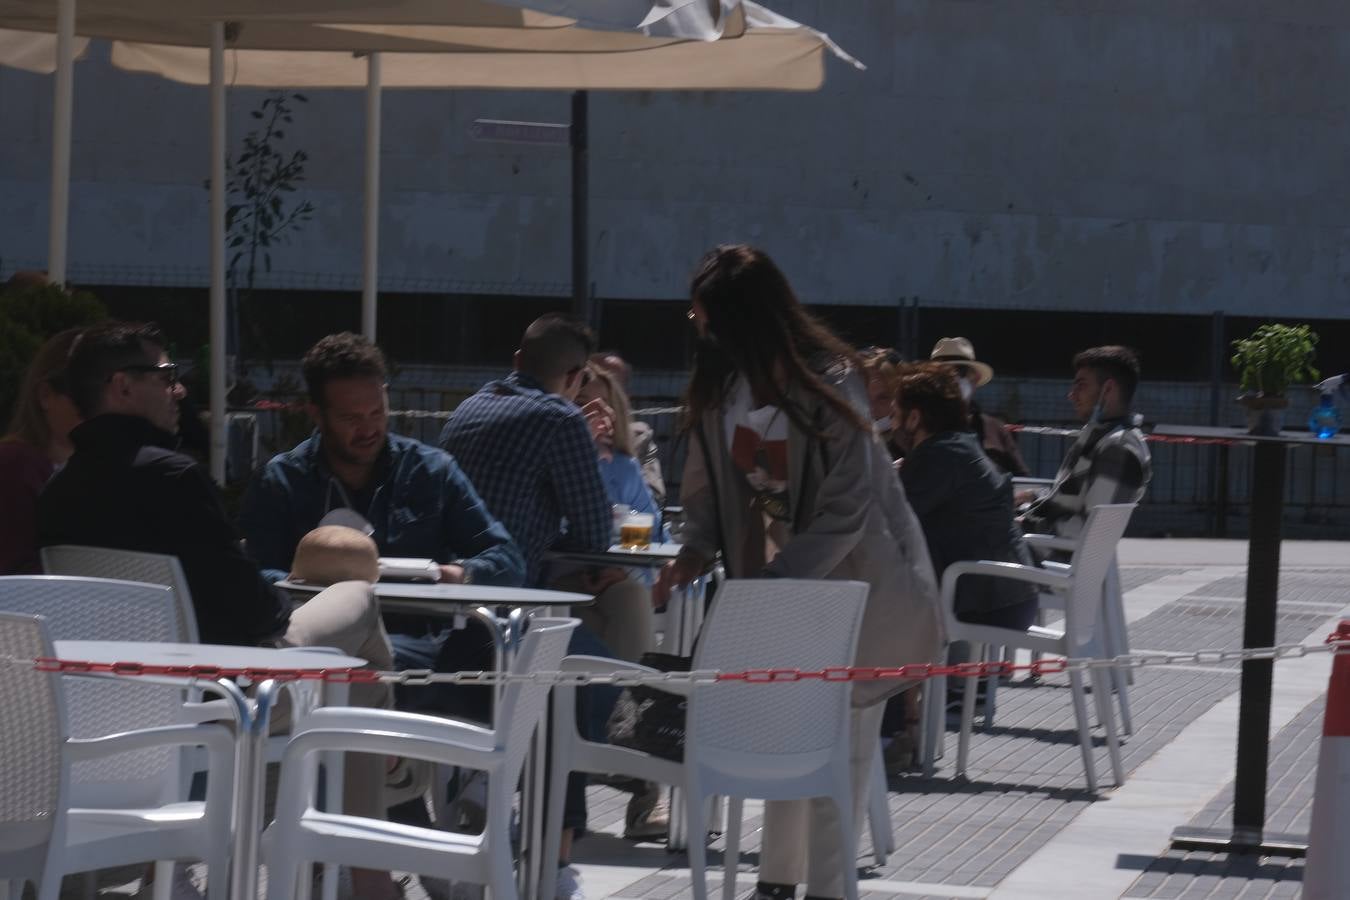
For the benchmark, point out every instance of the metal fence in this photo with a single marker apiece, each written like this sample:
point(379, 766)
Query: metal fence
point(1196, 490)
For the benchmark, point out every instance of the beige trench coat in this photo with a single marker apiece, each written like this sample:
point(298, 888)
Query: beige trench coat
point(850, 521)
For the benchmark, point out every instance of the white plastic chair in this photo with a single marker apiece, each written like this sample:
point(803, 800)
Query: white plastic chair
point(1115, 635)
point(301, 835)
point(127, 565)
point(775, 742)
point(48, 825)
point(1081, 585)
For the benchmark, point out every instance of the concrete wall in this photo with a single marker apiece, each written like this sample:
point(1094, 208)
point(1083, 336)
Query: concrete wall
point(1082, 154)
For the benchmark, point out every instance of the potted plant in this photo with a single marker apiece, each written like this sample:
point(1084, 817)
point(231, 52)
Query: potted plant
point(1274, 357)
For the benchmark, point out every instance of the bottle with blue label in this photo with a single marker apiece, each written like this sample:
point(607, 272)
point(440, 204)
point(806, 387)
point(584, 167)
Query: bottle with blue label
point(1325, 420)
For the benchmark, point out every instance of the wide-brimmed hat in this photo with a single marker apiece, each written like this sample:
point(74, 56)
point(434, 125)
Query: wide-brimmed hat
point(959, 351)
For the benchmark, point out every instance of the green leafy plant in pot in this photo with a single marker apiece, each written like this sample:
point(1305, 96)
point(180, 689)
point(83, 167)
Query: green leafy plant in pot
point(1268, 362)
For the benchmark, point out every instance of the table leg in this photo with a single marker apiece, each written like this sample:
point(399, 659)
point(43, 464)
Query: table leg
point(1258, 630)
point(250, 766)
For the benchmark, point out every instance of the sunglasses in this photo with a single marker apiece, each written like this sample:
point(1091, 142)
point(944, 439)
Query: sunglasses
point(168, 370)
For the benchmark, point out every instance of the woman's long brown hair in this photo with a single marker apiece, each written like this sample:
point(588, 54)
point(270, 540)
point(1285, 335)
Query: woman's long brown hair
point(754, 323)
point(29, 423)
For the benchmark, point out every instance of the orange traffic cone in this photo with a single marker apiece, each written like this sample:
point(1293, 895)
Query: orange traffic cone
point(1327, 874)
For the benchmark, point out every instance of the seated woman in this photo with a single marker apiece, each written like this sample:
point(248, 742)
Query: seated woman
point(38, 442)
point(964, 503)
point(622, 613)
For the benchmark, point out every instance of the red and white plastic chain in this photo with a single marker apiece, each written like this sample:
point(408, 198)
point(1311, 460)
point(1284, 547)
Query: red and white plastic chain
point(912, 672)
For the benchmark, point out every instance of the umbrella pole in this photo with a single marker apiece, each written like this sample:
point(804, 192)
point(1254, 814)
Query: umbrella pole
point(370, 270)
point(580, 140)
point(62, 113)
point(217, 216)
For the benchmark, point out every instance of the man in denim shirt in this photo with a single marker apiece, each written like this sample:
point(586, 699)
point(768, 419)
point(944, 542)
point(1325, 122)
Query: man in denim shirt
point(416, 498)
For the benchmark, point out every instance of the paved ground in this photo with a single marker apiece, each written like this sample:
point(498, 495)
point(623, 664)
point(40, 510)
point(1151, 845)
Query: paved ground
point(1022, 825)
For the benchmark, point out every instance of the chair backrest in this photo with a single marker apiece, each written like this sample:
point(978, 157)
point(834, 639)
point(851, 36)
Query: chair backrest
point(126, 565)
point(32, 729)
point(97, 609)
point(522, 705)
point(1092, 561)
point(775, 624)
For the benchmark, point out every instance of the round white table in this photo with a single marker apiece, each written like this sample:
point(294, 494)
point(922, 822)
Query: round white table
point(252, 716)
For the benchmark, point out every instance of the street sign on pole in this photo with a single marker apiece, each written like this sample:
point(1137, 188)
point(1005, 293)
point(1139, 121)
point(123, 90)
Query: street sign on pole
point(504, 131)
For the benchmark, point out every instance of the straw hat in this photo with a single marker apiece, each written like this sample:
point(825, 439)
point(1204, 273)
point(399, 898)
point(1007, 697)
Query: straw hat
point(960, 351)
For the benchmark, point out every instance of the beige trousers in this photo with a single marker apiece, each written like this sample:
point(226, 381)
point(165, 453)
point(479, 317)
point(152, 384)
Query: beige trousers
point(347, 616)
point(801, 837)
point(623, 618)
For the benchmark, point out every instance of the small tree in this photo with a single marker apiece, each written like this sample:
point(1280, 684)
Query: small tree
point(262, 212)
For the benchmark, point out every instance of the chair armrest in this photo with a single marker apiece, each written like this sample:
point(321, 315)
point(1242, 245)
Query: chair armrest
point(1017, 571)
point(215, 738)
point(394, 733)
point(1050, 542)
point(603, 665)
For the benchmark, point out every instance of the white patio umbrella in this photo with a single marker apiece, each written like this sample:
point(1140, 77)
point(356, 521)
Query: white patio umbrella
point(681, 44)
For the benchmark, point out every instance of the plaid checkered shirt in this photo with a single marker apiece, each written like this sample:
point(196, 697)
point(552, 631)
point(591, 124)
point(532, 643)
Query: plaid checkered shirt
point(530, 455)
point(1108, 463)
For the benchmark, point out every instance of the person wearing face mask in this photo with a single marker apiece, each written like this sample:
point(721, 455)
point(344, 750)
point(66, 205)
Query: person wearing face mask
point(999, 444)
point(1109, 462)
point(964, 503)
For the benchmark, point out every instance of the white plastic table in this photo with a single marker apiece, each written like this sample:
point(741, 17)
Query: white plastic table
point(252, 715)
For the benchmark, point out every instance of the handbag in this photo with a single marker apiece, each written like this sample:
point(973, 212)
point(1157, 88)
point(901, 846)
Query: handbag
point(649, 719)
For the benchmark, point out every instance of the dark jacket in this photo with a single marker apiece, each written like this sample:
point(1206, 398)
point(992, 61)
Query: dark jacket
point(965, 506)
point(127, 488)
point(422, 505)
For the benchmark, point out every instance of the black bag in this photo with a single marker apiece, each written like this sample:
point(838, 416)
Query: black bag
point(649, 719)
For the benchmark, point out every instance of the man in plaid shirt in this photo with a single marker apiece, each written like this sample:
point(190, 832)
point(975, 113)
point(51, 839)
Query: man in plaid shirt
point(530, 451)
point(1109, 462)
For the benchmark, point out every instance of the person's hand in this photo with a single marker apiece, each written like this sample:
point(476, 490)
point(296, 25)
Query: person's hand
point(600, 419)
point(451, 574)
point(677, 573)
point(1024, 496)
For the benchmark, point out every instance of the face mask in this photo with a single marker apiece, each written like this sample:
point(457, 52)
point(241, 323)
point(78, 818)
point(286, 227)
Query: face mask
point(967, 391)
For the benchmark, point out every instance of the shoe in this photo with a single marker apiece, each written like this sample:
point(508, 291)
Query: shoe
point(899, 755)
point(468, 811)
point(183, 888)
point(569, 884)
point(648, 815)
point(408, 780)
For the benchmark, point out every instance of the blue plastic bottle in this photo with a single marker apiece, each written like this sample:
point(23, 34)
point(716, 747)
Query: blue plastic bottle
point(1325, 420)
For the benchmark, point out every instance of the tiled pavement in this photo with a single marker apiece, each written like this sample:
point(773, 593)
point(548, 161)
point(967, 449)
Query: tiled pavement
point(961, 839)
point(1025, 786)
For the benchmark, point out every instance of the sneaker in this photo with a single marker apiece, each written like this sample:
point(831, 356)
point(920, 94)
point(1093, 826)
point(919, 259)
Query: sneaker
point(468, 811)
point(899, 755)
point(569, 884)
point(648, 814)
point(408, 780)
point(183, 887)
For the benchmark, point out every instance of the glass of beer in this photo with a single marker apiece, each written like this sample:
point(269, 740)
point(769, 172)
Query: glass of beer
point(636, 531)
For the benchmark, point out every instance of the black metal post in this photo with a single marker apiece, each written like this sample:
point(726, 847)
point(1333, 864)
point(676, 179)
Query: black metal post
point(1258, 630)
point(580, 141)
point(1218, 459)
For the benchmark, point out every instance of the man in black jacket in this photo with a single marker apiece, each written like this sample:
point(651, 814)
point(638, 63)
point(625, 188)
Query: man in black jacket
point(127, 488)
